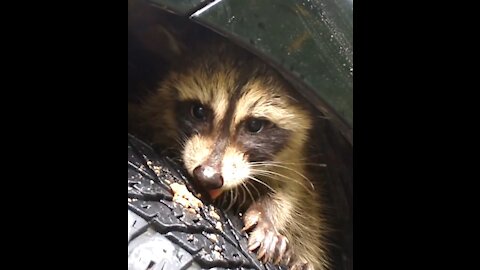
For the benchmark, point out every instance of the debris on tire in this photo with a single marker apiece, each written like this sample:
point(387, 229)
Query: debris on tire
point(184, 197)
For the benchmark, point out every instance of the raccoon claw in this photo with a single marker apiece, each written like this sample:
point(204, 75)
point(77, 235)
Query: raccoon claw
point(281, 251)
point(301, 266)
point(270, 245)
point(250, 220)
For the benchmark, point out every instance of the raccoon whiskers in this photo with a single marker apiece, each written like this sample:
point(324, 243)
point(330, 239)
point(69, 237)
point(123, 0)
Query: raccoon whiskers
point(233, 195)
point(289, 163)
point(255, 188)
point(283, 178)
point(286, 168)
point(272, 175)
point(244, 195)
point(182, 139)
point(248, 190)
point(263, 183)
point(222, 200)
point(281, 166)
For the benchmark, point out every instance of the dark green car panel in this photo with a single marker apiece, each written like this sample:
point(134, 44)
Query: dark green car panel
point(180, 7)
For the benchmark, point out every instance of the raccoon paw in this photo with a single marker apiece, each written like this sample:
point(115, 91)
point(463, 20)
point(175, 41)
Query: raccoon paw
point(271, 246)
point(300, 265)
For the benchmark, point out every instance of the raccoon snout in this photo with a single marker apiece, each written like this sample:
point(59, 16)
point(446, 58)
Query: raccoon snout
point(208, 177)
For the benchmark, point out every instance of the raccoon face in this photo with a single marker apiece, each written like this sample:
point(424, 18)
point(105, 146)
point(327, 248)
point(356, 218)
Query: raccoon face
point(230, 117)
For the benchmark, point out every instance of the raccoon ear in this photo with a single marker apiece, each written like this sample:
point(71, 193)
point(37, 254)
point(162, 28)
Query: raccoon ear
point(157, 31)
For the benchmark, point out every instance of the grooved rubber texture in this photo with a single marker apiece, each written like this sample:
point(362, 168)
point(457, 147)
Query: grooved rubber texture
point(164, 235)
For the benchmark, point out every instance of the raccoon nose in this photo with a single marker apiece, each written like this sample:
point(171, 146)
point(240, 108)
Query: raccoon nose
point(208, 177)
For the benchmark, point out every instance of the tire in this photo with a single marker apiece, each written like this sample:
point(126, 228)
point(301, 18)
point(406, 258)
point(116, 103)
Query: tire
point(164, 235)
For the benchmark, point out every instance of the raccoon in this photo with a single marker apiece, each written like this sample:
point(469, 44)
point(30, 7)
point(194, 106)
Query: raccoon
point(242, 136)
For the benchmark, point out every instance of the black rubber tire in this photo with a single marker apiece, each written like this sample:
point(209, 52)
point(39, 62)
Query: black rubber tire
point(164, 235)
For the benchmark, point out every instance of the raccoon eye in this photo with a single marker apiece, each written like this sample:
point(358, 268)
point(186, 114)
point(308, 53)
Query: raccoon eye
point(256, 125)
point(199, 112)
